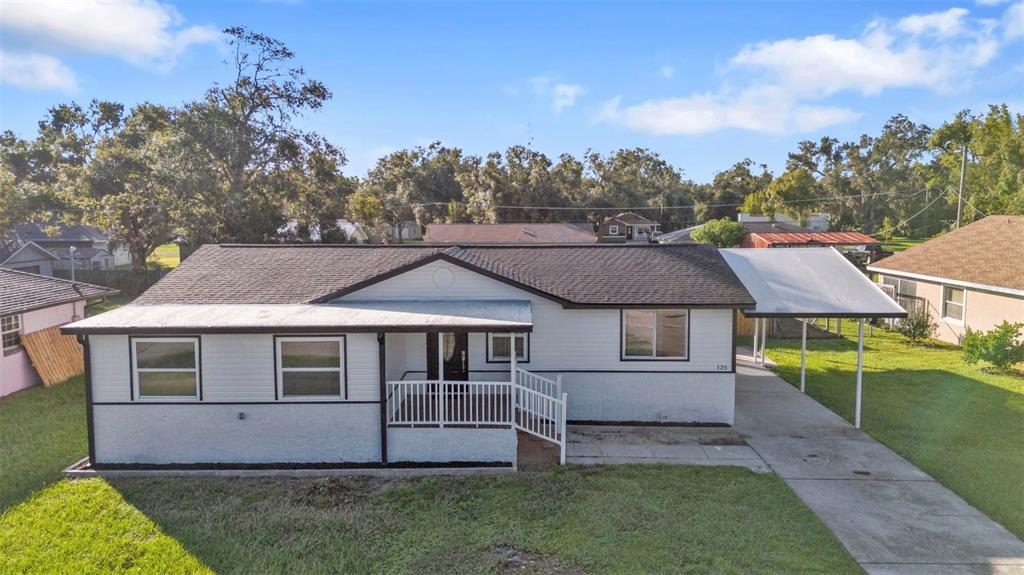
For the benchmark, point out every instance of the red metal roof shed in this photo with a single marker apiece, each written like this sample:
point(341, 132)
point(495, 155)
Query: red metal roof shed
point(779, 239)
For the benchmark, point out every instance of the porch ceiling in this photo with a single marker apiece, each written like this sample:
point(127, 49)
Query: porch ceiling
point(356, 316)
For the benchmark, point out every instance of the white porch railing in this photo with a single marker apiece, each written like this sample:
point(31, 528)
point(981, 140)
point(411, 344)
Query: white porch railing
point(533, 404)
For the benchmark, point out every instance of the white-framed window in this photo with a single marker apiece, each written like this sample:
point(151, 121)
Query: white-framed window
point(10, 332)
point(310, 367)
point(613, 230)
point(499, 347)
point(165, 368)
point(953, 303)
point(655, 334)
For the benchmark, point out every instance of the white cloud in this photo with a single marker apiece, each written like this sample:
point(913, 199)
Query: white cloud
point(667, 72)
point(706, 113)
point(560, 95)
point(143, 32)
point(779, 86)
point(36, 72)
point(564, 96)
point(948, 23)
point(990, 2)
point(1013, 22)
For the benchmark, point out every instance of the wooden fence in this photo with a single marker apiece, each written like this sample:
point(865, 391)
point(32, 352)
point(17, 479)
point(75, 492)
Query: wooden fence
point(56, 357)
point(130, 283)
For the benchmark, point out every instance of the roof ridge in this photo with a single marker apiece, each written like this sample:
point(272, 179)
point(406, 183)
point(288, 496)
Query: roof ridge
point(55, 279)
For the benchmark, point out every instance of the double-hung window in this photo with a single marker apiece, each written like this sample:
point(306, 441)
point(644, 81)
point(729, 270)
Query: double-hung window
point(613, 230)
point(165, 368)
point(953, 303)
point(311, 367)
point(499, 347)
point(10, 333)
point(655, 334)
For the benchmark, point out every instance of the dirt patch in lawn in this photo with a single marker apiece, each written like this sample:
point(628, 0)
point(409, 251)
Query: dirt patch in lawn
point(327, 492)
point(515, 560)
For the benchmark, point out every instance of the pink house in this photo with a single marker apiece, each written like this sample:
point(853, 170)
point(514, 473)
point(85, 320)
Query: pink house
point(28, 303)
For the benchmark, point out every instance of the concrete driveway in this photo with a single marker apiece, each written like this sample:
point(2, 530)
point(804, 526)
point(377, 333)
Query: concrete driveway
point(891, 516)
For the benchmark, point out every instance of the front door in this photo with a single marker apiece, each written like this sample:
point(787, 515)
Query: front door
point(456, 356)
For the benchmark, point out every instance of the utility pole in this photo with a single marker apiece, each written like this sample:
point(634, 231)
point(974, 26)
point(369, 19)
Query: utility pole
point(963, 172)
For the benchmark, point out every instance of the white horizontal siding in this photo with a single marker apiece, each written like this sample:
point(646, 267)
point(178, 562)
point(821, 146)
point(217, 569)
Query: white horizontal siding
point(278, 433)
point(111, 368)
point(562, 339)
point(236, 368)
point(450, 445)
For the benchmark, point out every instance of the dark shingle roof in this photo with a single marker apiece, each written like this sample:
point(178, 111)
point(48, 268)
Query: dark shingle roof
point(575, 275)
point(989, 251)
point(64, 232)
point(21, 291)
point(632, 218)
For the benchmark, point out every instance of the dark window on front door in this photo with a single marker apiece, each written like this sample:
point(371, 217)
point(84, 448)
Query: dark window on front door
point(456, 356)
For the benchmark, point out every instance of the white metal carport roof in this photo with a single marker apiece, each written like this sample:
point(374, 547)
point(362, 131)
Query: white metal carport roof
point(809, 283)
point(356, 316)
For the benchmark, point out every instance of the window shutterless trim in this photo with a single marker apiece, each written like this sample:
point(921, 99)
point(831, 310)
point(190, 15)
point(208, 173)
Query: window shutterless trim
point(962, 320)
point(16, 323)
point(654, 342)
point(136, 391)
point(487, 347)
point(342, 370)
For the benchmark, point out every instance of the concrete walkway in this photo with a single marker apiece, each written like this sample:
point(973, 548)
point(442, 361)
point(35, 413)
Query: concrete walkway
point(891, 516)
point(604, 444)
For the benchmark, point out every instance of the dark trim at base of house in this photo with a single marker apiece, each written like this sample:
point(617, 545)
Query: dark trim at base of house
point(648, 423)
point(322, 465)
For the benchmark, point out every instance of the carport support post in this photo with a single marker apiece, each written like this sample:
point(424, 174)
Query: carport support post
point(803, 354)
point(764, 336)
point(860, 370)
point(757, 324)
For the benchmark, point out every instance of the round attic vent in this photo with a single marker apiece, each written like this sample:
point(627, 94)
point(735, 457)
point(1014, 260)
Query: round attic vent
point(443, 278)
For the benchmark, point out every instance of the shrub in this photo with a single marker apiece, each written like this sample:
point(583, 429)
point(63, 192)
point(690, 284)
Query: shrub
point(917, 326)
point(1002, 347)
point(723, 233)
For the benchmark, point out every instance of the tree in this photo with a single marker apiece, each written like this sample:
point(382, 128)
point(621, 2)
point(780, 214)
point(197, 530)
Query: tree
point(366, 209)
point(793, 193)
point(995, 171)
point(722, 233)
point(130, 187)
point(244, 134)
point(729, 191)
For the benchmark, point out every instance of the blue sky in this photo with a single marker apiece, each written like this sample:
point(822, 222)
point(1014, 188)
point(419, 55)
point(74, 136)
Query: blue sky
point(703, 84)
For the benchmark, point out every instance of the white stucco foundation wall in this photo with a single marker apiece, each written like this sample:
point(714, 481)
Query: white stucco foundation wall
point(445, 445)
point(280, 433)
point(650, 397)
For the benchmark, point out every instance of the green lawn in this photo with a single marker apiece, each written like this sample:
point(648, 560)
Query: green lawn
point(958, 423)
point(108, 303)
point(622, 519)
point(898, 244)
point(166, 256)
point(42, 431)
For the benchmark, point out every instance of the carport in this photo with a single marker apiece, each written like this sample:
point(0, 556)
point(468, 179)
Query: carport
point(805, 283)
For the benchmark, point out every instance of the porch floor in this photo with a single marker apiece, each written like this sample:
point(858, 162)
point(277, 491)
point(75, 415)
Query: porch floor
point(612, 444)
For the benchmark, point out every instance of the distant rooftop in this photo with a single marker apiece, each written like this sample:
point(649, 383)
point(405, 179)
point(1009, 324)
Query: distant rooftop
point(21, 291)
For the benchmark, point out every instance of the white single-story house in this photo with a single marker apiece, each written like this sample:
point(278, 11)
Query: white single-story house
point(335, 356)
point(60, 236)
point(30, 303)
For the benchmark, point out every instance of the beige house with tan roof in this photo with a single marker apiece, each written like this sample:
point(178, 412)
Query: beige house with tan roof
point(969, 278)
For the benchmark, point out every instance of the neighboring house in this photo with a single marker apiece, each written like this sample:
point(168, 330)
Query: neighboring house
point(627, 227)
point(972, 277)
point(29, 303)
point(685, 235)
point(511, 233)
point(352, 230)
point(83, 259)
point(790, 239)
point(318, 356)
point(77, 235)
point(27, 257)
point(817, 222)
point(407, 230)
